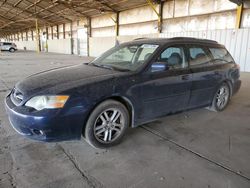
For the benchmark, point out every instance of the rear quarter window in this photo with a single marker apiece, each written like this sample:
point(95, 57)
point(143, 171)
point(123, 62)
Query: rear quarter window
point(222, 55)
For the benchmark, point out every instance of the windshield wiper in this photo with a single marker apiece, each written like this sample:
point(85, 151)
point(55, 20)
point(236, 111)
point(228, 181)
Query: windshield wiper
point(121, 69)
point(102, 66)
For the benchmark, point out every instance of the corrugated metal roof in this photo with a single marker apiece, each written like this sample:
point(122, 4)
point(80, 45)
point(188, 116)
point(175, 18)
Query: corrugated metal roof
point(16, 15)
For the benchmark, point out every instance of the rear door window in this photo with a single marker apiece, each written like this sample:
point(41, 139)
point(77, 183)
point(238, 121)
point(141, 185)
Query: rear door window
point(199, 56)
point(221, 55)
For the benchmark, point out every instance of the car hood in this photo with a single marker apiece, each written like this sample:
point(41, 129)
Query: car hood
point(60, 79)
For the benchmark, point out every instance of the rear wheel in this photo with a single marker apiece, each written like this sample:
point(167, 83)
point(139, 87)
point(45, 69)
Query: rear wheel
point(107, 124)
point(221, 98)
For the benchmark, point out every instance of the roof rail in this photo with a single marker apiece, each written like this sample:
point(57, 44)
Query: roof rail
point(192, 38)
point(142, 38)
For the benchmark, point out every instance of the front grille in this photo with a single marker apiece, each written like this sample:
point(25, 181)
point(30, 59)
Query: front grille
point(16, 97)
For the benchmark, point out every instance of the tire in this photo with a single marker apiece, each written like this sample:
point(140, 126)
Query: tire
point(222, 96)
point(107, 124)
point(11, 50)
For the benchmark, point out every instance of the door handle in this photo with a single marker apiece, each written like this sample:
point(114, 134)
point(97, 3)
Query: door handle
point(185, 77)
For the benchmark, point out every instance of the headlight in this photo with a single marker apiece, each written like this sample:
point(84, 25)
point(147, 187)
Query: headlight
point(47, 102)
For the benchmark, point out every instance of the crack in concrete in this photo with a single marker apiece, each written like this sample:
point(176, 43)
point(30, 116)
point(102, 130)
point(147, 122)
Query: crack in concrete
point(195, 153)
point(12, 180)
point(91, 181)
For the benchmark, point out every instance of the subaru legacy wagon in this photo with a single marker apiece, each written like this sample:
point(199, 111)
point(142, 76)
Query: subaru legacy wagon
point(129, 85)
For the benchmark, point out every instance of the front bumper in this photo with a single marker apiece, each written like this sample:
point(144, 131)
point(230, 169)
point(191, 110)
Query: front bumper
point(46, 125)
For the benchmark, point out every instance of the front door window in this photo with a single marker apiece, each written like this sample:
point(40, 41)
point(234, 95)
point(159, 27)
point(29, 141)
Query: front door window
point(173, 57)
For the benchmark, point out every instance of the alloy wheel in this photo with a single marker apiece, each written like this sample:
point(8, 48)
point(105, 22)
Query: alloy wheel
point(109, 125)
point(222, 97)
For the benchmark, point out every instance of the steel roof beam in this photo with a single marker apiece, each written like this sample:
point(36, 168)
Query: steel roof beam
point(22, 11)
point(55, 3)
point(17, 3)
point(106, 5)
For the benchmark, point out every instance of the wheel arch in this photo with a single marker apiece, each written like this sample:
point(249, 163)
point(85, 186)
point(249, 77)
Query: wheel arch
point(12, 48)
point(128, 104)
point(230, 84)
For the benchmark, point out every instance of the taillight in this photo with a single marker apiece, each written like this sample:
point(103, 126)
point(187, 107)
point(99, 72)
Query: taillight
point(238, 66)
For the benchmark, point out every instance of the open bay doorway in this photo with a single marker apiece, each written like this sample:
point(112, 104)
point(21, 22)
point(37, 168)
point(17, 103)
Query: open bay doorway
point(82, 41)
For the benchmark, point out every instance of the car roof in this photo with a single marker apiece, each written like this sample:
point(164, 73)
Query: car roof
point(162, 41)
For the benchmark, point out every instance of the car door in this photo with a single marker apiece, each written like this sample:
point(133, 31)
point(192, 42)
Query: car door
point(204, 74)
point(166, 91)
point(6, 46)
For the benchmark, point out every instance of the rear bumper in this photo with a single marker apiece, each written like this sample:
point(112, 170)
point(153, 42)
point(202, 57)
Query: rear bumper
point(46, 125)
point(236, 86)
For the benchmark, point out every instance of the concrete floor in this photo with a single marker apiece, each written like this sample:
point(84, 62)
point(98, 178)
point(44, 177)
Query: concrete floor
point(193, 149)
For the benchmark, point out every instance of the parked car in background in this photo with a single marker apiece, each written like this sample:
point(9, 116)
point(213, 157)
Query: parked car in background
point(129, 85)
point(8, 46)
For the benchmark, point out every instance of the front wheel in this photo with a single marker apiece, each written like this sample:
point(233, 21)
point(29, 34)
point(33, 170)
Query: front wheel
point(107, 124)
point(221, 98)
point(12, 50)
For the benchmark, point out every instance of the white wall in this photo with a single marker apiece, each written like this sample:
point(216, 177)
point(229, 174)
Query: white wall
point(98, 45)
point(30, 45)
point(181, 15)
point(59, 46)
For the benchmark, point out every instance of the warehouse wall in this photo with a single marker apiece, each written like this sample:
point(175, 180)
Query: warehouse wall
point(178, 15)
point(193, 15)
point(59, 46)
point(98, 45)
point(29, 45)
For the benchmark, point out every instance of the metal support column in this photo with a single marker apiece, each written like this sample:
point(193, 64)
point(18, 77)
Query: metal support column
point(26, 33)
point(116, 21)
point(160, 21)
point(47, 38)
point(32, 35)
point(37, 38)
point(71, 37)
point(64, 31)
point(117, 24)
point(57, 31)
point(159, 14)
point(52, 32)
point(47, 33)
point(239, 16)
point(88, 33)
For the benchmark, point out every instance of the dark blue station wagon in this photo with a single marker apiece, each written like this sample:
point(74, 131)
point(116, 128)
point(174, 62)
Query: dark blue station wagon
point(129, 85)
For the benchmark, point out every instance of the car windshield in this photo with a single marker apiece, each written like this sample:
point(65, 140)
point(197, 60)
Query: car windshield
point(126, 58)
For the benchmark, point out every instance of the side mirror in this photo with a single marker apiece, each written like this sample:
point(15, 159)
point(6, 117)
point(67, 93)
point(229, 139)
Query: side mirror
point(158, 66)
